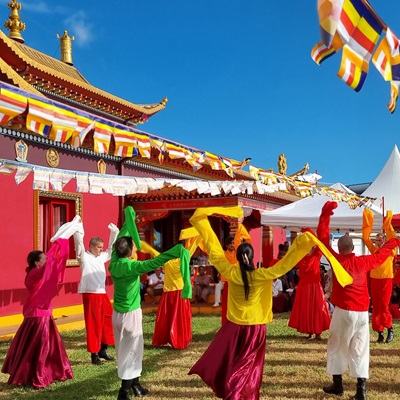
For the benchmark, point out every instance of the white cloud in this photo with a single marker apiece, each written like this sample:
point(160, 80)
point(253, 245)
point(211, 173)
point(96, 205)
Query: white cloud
point(80, 28)
point(43, 8)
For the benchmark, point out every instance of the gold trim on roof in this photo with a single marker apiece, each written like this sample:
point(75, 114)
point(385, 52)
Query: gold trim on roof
point(47, 64)
point(16, 79)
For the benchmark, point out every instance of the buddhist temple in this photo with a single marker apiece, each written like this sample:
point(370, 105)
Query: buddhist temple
point(68, 147)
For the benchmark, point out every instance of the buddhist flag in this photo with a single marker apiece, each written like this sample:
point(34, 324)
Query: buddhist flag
point(102, 136)
point(387, 61)
point(366, 32)
point(40, 117)
point(11, 105)
point(124, 142)
point(64, 124)
point(394, 94)
point(175, 151)
point(254, 172)
point(143, 144)
point(195, 160)
point(329, 12)
point(321, 52)
point(353, 69)
point(214, 161)
point(85, 123)
point(382, 59)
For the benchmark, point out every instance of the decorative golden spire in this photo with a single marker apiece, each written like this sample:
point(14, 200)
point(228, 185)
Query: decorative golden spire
point(14, 24)
point(66, 47)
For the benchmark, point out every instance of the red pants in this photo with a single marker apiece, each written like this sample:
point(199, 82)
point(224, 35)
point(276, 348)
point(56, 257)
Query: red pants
point(98, 313)
point(381, 290)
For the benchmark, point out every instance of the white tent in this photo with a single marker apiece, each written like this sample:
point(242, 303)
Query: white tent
point(305, 213)
point(386, 186)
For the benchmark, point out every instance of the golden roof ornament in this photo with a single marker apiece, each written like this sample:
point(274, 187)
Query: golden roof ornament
point(282, 165)
point(66, 47)
point(14, 24)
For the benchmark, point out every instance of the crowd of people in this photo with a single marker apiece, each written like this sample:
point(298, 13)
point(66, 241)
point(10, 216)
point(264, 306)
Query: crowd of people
point(340, 298)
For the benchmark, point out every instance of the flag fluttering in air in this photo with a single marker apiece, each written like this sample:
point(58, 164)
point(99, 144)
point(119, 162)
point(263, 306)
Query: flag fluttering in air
point(354, 27)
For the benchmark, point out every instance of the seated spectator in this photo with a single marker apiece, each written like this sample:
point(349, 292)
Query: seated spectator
point(202, 285)
point(280, 300)
point(155, 285)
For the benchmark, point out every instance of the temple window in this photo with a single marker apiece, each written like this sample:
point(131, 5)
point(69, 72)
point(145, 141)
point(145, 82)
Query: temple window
point(53, 209)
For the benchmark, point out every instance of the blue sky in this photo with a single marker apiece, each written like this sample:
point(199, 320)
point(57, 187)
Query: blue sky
point(238, 76)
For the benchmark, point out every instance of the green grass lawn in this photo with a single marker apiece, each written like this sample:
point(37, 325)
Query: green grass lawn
point(294, 368)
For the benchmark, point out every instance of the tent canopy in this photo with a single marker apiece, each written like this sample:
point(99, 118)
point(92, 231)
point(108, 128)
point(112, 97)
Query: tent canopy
point(305, 213)
point(386, 186)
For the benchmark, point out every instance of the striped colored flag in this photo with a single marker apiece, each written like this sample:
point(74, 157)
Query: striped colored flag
point(85, 123)
point(382, 59)
point(366, 33)
point(11, 105)
point(214, 161)
point(254, 172)
point(321, 52)
point(329, 12)
point(40, 116)
point(124, 142)
point(143, 144)
point(158, 144)
point(102, 136)
point(64, 124)
point(394, 94)
point(353, 69)
point(175, 151)
point(195, 160)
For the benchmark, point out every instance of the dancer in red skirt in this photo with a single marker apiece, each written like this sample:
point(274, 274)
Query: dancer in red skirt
point(37, 355)
point(173, 323)
point(233, 363)
point(310, 313)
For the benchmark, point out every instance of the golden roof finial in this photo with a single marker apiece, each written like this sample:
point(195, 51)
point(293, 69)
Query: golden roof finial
point(66, 47)
point(14, 24)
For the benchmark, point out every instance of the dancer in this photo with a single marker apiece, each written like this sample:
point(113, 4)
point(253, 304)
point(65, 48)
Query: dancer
point(174, 314)
point(96, 304)
point(127, 314)
point(233, 363)
point(348, 343)
point(37, 355)
point(310, 313)
point(231, 244)
point(381, 278)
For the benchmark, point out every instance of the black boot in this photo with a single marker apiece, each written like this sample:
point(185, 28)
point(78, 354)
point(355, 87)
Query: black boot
point(137, 388)
point(390, 335)
point(381, 339)
point(361, 389)
point(104, 354)
point(336, 387)
point(96, 359)
point(123, 393)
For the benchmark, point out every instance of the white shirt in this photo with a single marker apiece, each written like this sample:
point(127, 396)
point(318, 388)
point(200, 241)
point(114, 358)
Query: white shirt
point(276, 287)
point(93, 270)
point(153, 278)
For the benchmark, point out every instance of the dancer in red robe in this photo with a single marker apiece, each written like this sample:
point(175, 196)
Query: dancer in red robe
point(37, 355)
point(310, 313)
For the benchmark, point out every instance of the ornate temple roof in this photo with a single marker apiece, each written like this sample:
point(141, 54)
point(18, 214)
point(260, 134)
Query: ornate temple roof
point(60, 79)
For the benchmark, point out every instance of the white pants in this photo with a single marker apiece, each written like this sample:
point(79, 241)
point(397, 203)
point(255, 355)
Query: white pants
point(129, 344)
point(348, 343)
point(218, 290)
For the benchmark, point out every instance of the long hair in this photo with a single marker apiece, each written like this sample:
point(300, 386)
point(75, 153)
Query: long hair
point(245, 256)
point(33, 256)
